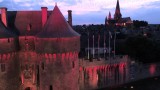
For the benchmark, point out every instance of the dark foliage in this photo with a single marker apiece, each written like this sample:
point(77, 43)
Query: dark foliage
point(139, 24)
point(141, 48)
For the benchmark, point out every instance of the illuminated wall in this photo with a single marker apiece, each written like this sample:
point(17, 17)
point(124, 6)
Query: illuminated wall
point(100, 74)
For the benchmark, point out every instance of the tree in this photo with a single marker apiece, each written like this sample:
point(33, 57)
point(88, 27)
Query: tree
point(140, 48)
point(139, 24)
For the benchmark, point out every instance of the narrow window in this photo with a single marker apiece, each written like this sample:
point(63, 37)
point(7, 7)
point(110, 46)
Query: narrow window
point(38, 75)
point(29, 27)
point(3, 68)
point(8, 40)
point(50, 87)
point(73, 64)
point(42, 65)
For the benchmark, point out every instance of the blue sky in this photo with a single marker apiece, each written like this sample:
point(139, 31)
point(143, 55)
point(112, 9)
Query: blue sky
point(93, 11)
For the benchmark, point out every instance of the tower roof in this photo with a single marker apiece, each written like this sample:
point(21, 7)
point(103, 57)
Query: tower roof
point(117, 14)
point(4, 32)
point(106, 20)
point(56, 26)
point(117, 7)
point(109, 16)
point(57, 35)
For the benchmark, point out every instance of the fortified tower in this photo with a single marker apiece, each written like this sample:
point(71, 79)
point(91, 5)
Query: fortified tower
point(57, 47)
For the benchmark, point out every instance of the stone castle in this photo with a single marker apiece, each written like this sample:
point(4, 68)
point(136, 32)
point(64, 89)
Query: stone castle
point(39, 51)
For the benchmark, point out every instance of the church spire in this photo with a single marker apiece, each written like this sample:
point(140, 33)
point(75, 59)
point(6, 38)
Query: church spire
point(117, 14)
point(106, 20)
point(117, 6)
point(55, 3)
point(109, 16)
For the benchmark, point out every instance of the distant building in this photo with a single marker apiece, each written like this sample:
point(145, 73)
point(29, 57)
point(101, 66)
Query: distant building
point(118, 20)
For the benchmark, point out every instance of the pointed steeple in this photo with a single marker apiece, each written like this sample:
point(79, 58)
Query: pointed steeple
point(109, 16)
point(56, 4)
point(117, 6)
point(106, 20)
point(117, 14)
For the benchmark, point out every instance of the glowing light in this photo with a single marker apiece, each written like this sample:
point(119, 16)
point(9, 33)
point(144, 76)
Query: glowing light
point(124, 24)
point(54, 56)
point(97, 77)
point(121, 68)
point(63, 56)
point(132, 87)
point(152, 69)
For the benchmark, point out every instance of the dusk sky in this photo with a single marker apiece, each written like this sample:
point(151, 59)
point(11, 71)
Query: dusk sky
point(93, 11)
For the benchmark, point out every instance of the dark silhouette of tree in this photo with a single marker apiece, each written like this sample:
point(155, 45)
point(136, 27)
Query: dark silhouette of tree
point(139, 24)
point(142, 48)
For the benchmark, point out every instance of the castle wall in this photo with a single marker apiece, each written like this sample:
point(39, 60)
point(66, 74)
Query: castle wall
point(28, 70)
point(59, 71)
point(26, 43)
point(7, 45)
point(28, 63)
point(117, 71)
point(9, 71)
point(100, 74)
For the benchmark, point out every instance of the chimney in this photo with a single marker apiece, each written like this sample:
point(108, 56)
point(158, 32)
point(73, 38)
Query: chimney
point(4, 15)
point(44, 15)
point(70, 17)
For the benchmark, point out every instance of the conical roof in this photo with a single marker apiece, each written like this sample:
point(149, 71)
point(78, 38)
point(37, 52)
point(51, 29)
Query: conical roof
point(4, 32)
point(56, 26)
point(57, 35)
point(117, 8)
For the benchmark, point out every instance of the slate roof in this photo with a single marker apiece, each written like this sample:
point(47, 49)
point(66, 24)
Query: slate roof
point(19, 20)
point(125, 20)
point(4, 32)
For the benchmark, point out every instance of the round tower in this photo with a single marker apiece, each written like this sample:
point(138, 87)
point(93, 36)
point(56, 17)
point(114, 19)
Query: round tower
point(9, 73)
point(57, 47)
